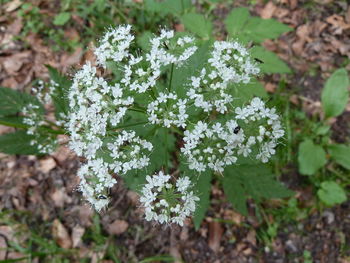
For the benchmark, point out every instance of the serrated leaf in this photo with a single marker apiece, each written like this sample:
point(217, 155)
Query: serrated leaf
point(340, 154)
point(235, 192)
point(18, 143)
point(59, 94)
point(195, 63)
point(13, 101)
point(236, 20)
point(331, 193)
point(256, 181)
point(61, 19)
point(260, 29)
point(311, 157)
point(197, 24)
point(335, 94)
point(271, 62)
point(166, 7)
point(202, 188)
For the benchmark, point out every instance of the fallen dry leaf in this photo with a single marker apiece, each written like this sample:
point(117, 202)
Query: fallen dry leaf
point(117, 227)
point(61, 235)
point(270, 87)
point(77, 234)
point(59, 197)
point(13, 5)
point(215, 234)
point(338, 23)
point(268, 10)
point(13, 63)
point(46, 165)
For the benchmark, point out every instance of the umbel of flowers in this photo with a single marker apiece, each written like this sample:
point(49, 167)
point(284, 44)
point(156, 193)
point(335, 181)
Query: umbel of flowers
point(213, 132)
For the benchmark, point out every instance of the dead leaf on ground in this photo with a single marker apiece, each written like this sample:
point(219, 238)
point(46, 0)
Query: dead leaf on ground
point(46, 165)
point(13, 63)
point(338, 23)
point(13, 5)
point(270, 87)
point(268, 10)
point(117, 227)
point(68, 60)
point(61, 235)
point(77, 234)
point(215, 234)
point(59, 197)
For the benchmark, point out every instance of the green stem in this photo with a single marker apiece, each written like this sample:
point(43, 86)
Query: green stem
point(131, 124)
point(166, 149)
point(171, 77)
point(24, 126)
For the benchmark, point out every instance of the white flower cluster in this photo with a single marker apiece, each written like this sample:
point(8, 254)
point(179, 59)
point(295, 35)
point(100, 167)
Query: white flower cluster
point(166, 202)
point(129, 152)
point(94, 179)
point(213, 146)
point(229, 63)
point(168, 110)
point(217, 146)
point(100, 107)
point(34, 118)
point(114, 46)
point(269, 127)
point(43, 91)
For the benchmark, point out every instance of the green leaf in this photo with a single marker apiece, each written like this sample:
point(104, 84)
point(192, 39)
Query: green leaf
point(260, 29)
point(241, 26)
point(331, 193)
point(335, 94)
point(236, 20)
point(167, 7)
point(197, 24)
point(235, 192)
point(311, 157)
point(61, 19)
point(271, 62)
point(59, 94)
point(13, 101)
point(202, 188)
point(256, 181)
point(340, 154)
point(18, 143)
point(195, 63)
point(13, 121)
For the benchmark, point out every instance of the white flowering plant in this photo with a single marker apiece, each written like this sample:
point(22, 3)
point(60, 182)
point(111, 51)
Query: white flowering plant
point(165, 119)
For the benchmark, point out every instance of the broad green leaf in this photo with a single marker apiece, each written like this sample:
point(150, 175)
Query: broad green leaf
point(340, 154)
point(236, 20)
point(18, 142)
point(235, 192)
point(331, 193)
point(311, 157)
point(13, 101)
point(195, 63)
point(197, 24)
point(335, 94)
point(163, 146)
point(260, 29)
point(143, 40)
point(256, 181)
point(59, 94)
point(166, 7)
point(202, 186)
point(61, 19)
point(271, 62)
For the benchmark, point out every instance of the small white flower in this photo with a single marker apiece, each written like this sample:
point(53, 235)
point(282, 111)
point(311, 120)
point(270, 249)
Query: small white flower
point(165, 202)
